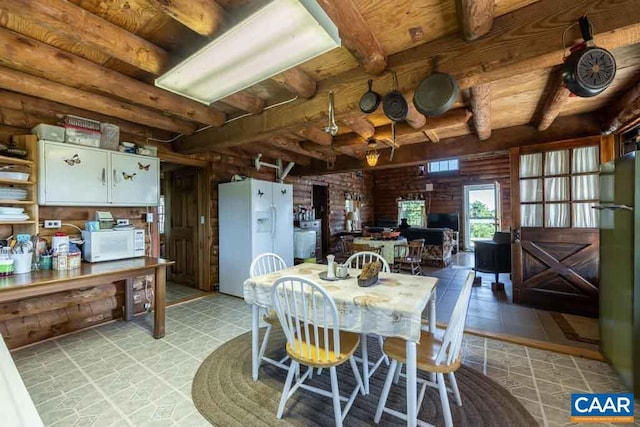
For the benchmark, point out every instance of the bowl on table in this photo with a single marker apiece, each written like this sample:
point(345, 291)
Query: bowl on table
point(391, 234)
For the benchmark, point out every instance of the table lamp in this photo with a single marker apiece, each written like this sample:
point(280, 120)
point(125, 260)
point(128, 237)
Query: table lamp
point(352, 219)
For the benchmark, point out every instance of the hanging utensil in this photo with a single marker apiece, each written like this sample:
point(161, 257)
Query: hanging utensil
point(370, 101)
point(393, 140)
point(394, 105)
point(332, 129)
point(589, 69)
point(436, 94)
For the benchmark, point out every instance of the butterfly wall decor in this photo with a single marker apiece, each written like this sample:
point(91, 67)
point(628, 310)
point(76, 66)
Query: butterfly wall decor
point(73, 160)
point(128, 177)
point(143, 167)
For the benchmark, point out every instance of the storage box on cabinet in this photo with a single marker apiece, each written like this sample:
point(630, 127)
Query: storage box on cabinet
point(81, 176)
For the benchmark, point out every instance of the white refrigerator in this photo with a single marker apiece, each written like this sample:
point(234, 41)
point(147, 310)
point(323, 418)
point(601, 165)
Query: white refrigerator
point(254, 217)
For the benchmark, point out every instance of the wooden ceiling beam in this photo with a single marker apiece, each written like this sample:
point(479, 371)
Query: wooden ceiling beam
point(556, 97)
point(415, 119)
point(61, 18)
point(315, 135)
point(35, 86)
point(204, 17)
point(297, 81)
point(54, 110)
point(356, 35)
point(360, 126)
point(617, 112)
point(481, 109)
point(295, 147)
point(521, 41)
point(275, 152)
point(33, 57)
point(245, 101)
point(582, 125)
point(404, 131)
point(475, 17)
point(431, 135)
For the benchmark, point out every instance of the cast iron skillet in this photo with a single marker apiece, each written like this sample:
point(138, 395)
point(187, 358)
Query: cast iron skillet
point(370, 100)
point(436, 94)
point(394, 105)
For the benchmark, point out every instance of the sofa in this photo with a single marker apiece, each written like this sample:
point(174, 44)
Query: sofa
point(438, 244)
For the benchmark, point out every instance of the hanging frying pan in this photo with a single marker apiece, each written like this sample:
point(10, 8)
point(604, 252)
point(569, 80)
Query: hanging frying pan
point(370, 101)
point(436, 94)
point(394, 105)
point(589, 70)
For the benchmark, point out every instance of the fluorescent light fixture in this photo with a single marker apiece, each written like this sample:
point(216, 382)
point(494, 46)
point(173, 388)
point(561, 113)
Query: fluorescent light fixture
point(278, 36)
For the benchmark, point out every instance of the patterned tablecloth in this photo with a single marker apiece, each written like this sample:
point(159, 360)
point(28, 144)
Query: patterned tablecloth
point(392, 307)
point(387, 246)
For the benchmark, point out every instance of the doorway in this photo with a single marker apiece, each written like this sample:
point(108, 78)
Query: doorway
point(321, 205)
point(183, 218)
point(482, 210)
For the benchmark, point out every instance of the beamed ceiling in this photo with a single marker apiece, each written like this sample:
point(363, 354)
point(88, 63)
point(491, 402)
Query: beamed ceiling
point(98, 59)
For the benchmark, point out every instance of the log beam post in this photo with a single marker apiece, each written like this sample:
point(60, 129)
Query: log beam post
point(475, 17)
point(297, 81)
point(204, 17)
point(356, 34)
point(557, 96)
point(481, 109)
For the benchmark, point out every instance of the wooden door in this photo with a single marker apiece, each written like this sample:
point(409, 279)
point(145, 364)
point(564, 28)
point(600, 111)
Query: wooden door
point(181, 202)
point(555, 249)
point(73, 175)
point(135, 180)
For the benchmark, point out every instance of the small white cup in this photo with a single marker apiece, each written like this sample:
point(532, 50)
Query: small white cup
point(341, 271)
point(21, 263)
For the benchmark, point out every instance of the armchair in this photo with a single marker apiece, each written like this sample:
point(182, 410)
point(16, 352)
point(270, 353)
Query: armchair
point(494, 256)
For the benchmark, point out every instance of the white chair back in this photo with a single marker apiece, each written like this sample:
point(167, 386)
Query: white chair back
point(265, 264)
point(307, 313)
point(359, 259)
point(452, 340)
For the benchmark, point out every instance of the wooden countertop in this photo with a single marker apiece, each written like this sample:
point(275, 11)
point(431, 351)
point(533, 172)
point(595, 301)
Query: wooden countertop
point(87, 270)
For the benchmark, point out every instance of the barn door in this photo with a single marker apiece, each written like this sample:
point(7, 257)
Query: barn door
point(556, 237)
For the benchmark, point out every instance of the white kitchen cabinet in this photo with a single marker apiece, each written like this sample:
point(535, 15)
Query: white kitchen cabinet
point(134, 179)
point(72, 175)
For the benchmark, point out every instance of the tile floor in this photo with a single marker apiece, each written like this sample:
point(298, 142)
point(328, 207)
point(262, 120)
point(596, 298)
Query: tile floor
point(178, 292)
point(493, 311)
point(117, 374)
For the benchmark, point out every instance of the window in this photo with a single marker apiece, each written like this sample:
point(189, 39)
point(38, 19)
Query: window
point(557, 188)
point(413, 210)
point(443, 166)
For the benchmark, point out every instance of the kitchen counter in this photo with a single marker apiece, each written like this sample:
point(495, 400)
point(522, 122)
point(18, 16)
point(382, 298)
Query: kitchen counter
point(44, 282)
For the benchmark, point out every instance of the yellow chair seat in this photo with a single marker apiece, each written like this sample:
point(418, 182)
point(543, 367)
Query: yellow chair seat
point(307, 355)
point(426, 352)
point(271, 318)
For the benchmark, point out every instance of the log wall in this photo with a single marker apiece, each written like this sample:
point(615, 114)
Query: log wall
point(448, 189)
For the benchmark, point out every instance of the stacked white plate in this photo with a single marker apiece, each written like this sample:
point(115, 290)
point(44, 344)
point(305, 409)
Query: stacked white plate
point(12, 214)
point(8, 193)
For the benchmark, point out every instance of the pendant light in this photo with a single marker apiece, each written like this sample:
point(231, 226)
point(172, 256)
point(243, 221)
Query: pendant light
point(372, 154)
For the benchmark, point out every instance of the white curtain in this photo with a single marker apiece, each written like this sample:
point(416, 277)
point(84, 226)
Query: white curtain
point(531, 190)
point(556, 162)
point(556, 215)
point(556, 189)
point(585, 187)
point(585, 159)
point(530, 165)
point(531, 215)
point(584, 216)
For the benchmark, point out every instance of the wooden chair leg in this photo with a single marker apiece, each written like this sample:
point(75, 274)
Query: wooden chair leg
point(287, 388)
point(454, 388)
point(444, 400)
point(335, 391)
point(385, 390)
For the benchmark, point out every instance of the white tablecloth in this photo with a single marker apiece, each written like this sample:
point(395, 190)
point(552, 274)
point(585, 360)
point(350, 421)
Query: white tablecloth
point(392, 307)
point(387, 246)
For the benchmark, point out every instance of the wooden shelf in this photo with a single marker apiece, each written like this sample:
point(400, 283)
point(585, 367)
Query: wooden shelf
point(16, 181)
point(17, 202)
point(16, 222)
point(14, 161)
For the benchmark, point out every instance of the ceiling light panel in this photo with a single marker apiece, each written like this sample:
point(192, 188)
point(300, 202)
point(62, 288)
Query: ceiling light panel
point(279, 36)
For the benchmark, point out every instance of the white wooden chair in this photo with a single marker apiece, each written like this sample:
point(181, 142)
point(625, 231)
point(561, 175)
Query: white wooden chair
point(309, 319)
point(434, 355)
point(264, 264)
point(357, 260)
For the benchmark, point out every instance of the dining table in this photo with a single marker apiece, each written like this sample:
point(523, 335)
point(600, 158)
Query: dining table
point(387, 245)
point(392, 307)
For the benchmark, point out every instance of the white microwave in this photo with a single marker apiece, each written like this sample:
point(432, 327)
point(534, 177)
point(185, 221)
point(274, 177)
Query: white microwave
point(112, 244)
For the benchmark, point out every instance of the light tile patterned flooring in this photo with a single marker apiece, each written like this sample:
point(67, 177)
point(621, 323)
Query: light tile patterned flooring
point(117, 374)
point(176, 292)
